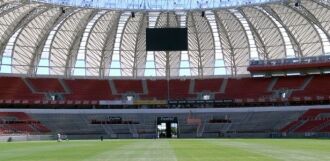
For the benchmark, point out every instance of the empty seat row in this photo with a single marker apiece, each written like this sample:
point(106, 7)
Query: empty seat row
point(313, 120)
point(306, 87)
point(20, 122)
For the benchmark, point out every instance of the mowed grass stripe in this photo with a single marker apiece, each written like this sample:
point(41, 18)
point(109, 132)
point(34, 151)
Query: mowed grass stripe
point(317, 145)
point(169, 150)
point(156, 150)
point(116, 152)
point(213, 150)
point(140, 150)
point(285, 150)
point(54, 151)
point(19, 151)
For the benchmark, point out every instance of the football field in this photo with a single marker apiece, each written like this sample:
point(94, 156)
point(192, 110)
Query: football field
point(169, 150)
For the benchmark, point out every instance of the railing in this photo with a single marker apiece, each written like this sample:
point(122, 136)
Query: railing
point(170, 102)
point(289, 61)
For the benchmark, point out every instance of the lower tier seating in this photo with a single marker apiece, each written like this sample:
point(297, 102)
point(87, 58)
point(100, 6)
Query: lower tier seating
point(314, 120)
point(20, 122)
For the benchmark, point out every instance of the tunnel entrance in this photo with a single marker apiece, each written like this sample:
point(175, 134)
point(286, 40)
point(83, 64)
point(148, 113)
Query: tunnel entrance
point(167, 127)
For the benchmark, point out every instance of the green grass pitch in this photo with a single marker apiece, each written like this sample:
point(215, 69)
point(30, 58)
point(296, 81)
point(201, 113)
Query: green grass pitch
point(169, 150)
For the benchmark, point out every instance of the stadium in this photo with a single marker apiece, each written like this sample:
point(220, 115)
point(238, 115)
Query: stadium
point(164, 80)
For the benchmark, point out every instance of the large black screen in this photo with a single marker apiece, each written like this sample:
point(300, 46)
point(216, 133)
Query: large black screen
point(166, 39)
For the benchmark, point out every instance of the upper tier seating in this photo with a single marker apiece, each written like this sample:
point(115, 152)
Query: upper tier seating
point(255, 89)
point(179, 89)
point(15, 88)
point(289, 83)
point(208, 85)
point(157, 89)
point(125, 86)
point(318, 86)
point(88, 89)
point(246, 88)
point(46, 85)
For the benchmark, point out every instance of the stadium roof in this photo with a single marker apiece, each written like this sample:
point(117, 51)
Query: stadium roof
point(156, 4)
point(42, 39)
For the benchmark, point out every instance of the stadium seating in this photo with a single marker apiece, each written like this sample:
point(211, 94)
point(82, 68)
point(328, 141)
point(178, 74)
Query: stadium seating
point(41, 128)
point(290, 126)
point(246, 88)
point(82, 123)
point(20, 122)
point(312, 114)
point(289, 83)
point(88, 89)
point(46, 84)
point(312, 120)
point(125, 86)
point(325, 129)
point(318, 86)
point(208, 85)
point(179, 89)
point(21, 128)
point(157, 89)
point(309, 125)
point(16, 90)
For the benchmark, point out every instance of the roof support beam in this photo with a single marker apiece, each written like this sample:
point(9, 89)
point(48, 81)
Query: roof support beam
point(321, 3)
point(107, 49)
point(271, 12)
point(270, 19)
point(231, 48)
point(256, 35)
point(73, 51)
point(200, 64)
point(312, 20)
point(40, 46)
point(24, 24)
point(139, 35)
point(15, 25)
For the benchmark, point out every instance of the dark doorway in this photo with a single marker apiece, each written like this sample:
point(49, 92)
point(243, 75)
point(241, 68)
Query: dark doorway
point(167, 127)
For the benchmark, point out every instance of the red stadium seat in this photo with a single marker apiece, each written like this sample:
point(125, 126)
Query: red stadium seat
point(318, 86)
point(46, 84)
point(125, 86)
point(289, 83)
point(209, 85)
point(88, 89)
point(14, 88)
point(22, 123)
point(244, 88)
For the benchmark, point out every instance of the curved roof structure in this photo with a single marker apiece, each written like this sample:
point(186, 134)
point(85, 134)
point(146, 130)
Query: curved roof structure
point(152, 5)
point(42, 39)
